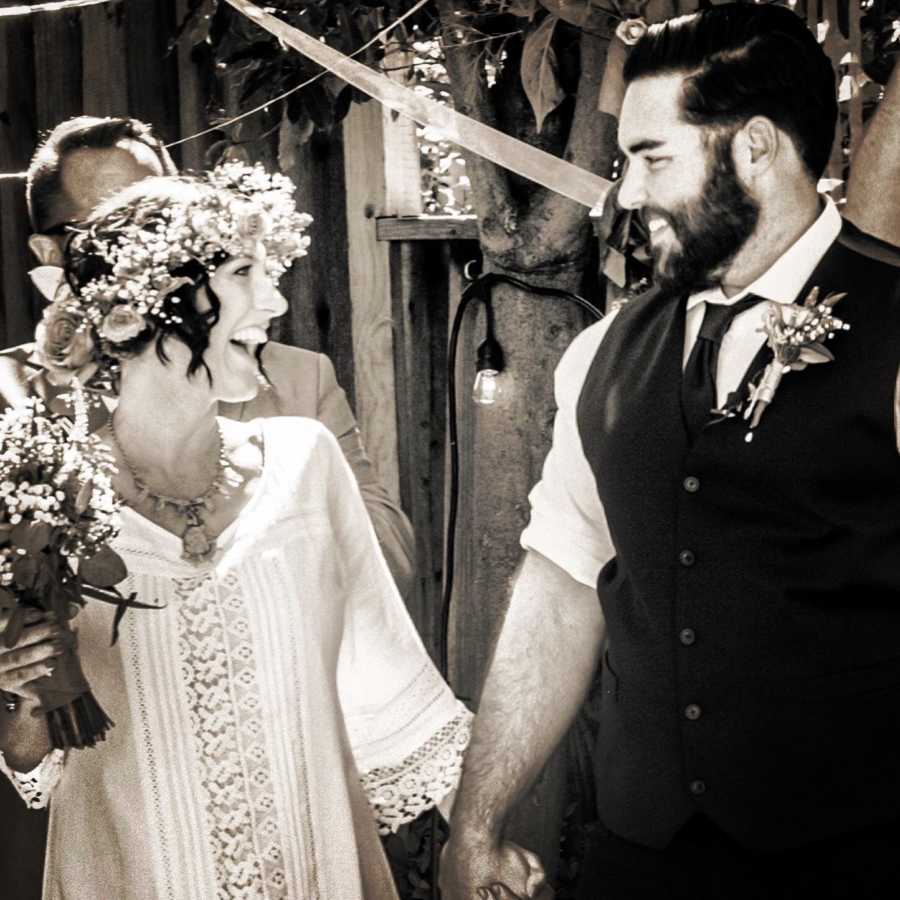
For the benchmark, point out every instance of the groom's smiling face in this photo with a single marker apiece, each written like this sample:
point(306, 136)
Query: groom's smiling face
point(683, 180)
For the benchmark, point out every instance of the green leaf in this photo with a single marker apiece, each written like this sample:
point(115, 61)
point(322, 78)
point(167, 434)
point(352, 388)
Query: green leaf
point(575, 12)
point(199, 34)
point(14, 627)
point(25, 570)
point(104, 569)
point(83, 497)
point(31, 536)
point(524, 9)
point(539, 70)
point(816, 353)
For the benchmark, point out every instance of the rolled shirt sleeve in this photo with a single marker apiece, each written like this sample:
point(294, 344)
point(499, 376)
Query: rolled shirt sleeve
point(568, 524)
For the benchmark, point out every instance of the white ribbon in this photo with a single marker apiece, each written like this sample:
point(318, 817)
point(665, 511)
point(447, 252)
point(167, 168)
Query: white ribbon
point(537, 165)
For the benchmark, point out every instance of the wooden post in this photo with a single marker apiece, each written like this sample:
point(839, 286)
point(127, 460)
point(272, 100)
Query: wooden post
point(152, 77)
point(370, 295)
point(195, 86)
point(403, 189)
point(57, 62)
point(18, 133)
point(425, 281)
point(502, 449)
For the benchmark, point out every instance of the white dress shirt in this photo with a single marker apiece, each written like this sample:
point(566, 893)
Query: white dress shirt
point(568, 523)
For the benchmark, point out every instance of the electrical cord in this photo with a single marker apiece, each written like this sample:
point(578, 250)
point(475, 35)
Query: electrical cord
point(481, 288)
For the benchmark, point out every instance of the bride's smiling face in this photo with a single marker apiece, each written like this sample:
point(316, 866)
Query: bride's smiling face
point(248, 302)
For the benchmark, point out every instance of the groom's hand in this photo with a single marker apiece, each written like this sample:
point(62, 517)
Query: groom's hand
point(471, 869)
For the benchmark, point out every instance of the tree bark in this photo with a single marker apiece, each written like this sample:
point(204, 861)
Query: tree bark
point(873, 189)
point(546, 240)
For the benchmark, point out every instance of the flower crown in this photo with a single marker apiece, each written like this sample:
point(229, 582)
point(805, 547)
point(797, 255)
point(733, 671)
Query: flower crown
point(247, 211)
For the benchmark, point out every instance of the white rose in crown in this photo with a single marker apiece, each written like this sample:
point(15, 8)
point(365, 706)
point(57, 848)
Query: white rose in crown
point(121, 324)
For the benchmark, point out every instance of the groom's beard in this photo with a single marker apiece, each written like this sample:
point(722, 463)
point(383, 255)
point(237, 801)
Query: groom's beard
point(709, 229)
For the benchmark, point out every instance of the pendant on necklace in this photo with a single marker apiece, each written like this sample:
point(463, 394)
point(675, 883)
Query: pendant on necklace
point(196, 545)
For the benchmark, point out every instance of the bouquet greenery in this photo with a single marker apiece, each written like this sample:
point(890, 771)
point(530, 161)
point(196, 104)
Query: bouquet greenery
point(58, 513)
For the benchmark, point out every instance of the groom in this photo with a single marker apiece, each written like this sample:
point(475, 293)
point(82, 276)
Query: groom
point(748, 579)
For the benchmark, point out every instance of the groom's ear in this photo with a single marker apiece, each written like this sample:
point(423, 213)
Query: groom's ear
point(46, 250)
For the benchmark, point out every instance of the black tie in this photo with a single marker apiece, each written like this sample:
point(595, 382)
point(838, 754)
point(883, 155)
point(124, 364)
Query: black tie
point(698, 385)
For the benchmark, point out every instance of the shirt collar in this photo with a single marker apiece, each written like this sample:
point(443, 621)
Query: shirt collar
point(785, 278)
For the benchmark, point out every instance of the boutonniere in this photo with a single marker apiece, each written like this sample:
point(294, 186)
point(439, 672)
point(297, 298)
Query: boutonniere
point(796, 334)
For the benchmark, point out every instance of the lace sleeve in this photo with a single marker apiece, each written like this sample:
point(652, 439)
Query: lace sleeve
point(398, 794)
point(34, 787)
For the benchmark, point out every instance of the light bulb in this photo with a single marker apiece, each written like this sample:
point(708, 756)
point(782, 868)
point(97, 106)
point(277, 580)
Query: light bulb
point(487, 388)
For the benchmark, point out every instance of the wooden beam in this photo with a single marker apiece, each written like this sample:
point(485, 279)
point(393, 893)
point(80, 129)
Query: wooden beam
point(104, 51)
point(18, 135)
point(370, 294)
point(427, 228)
point(195, 86)
point(152, 76)
point(57, 67)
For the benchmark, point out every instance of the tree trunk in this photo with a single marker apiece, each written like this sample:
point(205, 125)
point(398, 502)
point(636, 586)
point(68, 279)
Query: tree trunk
point(542, 239)
point(873, 190)
point(502, 448)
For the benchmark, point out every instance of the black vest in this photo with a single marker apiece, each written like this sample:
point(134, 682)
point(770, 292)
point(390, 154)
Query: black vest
point(753, 606)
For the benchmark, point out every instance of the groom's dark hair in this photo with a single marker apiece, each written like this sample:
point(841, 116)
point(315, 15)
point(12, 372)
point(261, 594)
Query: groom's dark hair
point(742, 60)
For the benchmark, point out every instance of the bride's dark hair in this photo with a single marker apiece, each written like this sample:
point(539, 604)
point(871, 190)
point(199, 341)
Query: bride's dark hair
point(145, 202)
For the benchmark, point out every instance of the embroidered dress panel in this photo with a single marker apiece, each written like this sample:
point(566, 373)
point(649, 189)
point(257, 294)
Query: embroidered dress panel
point(218, 660)
point(276, 713)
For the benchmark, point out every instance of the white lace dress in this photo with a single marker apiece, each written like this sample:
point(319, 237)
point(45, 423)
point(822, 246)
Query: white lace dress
point(270, 720)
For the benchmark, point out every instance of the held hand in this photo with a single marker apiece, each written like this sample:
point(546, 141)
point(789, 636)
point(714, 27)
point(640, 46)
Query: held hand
point(33, 655)
point(502, 892)
point(473, 870)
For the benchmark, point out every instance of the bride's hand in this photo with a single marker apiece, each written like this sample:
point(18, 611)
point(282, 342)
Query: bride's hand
point(471, 869)
point(33, 656)
point(502, 892)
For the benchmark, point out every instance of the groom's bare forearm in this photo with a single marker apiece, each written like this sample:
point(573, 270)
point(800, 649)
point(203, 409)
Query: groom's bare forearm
point(541, 670)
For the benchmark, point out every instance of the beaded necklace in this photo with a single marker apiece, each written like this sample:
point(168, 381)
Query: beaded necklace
point(197, 545)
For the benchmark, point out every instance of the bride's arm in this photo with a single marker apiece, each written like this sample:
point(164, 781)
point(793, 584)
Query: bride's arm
point(407, 730)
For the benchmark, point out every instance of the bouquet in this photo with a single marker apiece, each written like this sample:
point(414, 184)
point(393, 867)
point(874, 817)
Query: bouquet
point(58, 513)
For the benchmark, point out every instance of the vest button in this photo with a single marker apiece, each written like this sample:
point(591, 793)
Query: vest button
point(687, 558)
point(687, 636)
point(692, 712)
point(691, 484)
point(697, 787)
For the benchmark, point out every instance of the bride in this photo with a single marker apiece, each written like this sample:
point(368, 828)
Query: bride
point(280, 709)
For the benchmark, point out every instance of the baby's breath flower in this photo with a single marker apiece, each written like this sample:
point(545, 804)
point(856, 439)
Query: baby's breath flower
point(248, 207)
